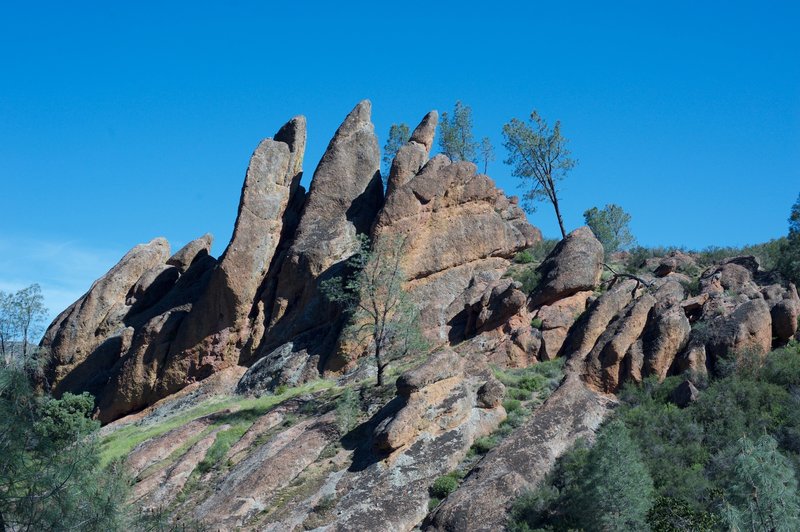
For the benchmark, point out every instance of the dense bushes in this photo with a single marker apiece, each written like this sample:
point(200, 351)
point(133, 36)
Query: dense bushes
point(705, 461)
point(50, 474)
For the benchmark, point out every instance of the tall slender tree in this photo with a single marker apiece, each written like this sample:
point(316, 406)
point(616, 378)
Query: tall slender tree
point(398, 135)
point(538, 156)
point(455, 134)
point(487, 153)
point(22, 316)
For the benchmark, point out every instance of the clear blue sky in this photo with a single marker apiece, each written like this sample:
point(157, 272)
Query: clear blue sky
point(120, 122)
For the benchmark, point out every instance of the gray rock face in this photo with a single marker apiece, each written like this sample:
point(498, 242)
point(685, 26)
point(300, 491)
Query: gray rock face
point(684, 394)
point(573, 266)
point(522, 460)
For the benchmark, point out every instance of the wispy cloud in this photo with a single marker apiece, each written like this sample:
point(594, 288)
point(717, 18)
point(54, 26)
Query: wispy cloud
point(65, 270)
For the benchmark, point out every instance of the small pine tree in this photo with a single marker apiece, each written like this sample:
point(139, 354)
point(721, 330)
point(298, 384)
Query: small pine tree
point(616, 490)
point(455, 134)
point(398, 135)
point(761, 488)
point(611, 226)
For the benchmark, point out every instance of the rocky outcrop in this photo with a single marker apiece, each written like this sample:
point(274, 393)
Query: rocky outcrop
point(522, 460)
point(413, 155)
point(219, 325)
point(131, 333)
point(437, 212)
point(556, 320)
point(78, 332)
point(300, 326)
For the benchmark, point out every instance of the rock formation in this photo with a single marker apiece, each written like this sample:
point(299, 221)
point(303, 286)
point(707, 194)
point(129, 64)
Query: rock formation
point(155, 323)
point(174, 343)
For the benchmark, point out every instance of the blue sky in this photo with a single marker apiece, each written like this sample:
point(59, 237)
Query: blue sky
point(120, 122)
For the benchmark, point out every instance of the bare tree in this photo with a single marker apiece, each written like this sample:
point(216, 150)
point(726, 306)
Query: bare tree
point(487, 153)
point(382, 316)
point(22, 316)
point(540, 158)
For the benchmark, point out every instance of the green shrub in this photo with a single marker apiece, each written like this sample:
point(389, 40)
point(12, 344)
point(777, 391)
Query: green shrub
point(518, 393)
point(444, 486)
point(524, 257)
point(325, 503)
point(484, 444)
point(281, 389)
point(536, 323)
point(528, 276)
point(670, 514)
point(543, 248)
point(532, 383)
point(348, 408)
point(433, 503)
point(512, 405)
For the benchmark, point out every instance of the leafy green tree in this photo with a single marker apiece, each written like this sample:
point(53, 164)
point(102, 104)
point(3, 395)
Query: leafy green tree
point(22, 316)
point(487, 153)
point(398, 135)
point(538, 156)
point(50, 476)
point(611, 226)
point(455, 134)
point(616, 488)
point(382, 317)
point(761, 488)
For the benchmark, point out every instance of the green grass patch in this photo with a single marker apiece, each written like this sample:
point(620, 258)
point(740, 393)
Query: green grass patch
point(222, 444)
point(121, 442)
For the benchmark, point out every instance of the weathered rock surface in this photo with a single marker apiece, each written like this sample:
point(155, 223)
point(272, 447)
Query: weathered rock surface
point(343, 200)
point(522, 460)
point(218, 329)
point(574, 265)
point(412, 156)
point(78, 331)
point(556, 320)
point(437, 212)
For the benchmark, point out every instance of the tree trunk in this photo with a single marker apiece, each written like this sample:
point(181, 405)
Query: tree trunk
point(558, 215)
point(380, 366)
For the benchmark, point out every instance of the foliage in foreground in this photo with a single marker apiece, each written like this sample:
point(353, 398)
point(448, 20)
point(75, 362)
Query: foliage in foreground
point(50, 472)
point(728, 461)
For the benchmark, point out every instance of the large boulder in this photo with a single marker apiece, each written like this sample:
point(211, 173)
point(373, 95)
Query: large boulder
point(610, 362)
point(574, 265)
point(556, 320)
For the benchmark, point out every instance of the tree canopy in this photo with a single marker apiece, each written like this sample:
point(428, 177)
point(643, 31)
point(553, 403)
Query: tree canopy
point(611, 226)
point(398, 135)
point(455, 134)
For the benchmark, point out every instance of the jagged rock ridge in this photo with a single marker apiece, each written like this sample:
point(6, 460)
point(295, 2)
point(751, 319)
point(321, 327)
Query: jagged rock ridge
point(173, 332)
point(155, 323)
